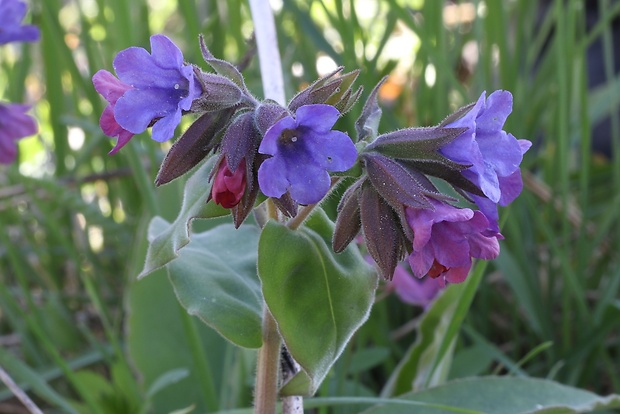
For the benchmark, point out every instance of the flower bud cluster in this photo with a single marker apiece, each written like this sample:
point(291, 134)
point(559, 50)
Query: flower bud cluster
point(289, 154)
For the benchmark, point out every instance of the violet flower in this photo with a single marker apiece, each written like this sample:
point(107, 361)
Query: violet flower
point(494, 154)
point(152, 89)
point(414, 291)
point(445, 240)
point(303, 150)
point(12, 13)
point(14, 124)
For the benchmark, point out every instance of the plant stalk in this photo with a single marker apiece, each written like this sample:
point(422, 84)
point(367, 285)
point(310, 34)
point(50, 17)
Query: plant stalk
point(266, 392)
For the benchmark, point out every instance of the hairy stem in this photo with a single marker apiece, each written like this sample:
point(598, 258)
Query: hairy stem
point(266, 392)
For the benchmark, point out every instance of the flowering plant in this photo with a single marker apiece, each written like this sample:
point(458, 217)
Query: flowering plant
point(280, 162)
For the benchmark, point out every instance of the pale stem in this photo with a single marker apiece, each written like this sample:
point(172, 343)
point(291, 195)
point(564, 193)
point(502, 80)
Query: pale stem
point(273, 88)
point(266, 391)
point(18, 392)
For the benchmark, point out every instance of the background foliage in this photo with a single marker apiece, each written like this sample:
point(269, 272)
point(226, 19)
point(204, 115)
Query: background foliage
point(82, 335)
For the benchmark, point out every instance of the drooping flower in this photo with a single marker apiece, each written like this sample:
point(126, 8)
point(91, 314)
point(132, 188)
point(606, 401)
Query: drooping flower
point(304, 149)
point(12, 13)
point(494, 154)
point(14, 124)
point(446, 239)
point(228, 186)
point(152, 89)
point(111, 89)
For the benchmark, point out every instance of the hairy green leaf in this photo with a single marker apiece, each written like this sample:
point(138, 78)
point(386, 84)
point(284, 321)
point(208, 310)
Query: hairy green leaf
point(318, 298)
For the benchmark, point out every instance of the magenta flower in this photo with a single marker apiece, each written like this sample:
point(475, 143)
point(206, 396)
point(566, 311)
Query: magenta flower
point(12, 13)
point(152, 89)
point(445, 240)
point(494, 154)
point(303, 150)
point(14, 124)
point(414, 291)
point(229, 187)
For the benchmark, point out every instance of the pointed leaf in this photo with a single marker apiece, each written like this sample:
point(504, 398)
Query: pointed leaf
point(222, 67)
point(303, 97)
point(345, 82)
point(367, 125)
point(348, 222)
point(193, 146)
point(503, 395)
point(167, 239)
point(215, 278)
point(240, 141)
point(456, 115)
point(382, 231)
point(396, 184)
point(267, 114)
point(318, 298)
point(414, 143)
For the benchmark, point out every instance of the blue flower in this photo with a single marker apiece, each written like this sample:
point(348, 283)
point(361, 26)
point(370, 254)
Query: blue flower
point(14, 124)
point(303, 150)
point(494, 154)
point(153, 89)
point(12, 13)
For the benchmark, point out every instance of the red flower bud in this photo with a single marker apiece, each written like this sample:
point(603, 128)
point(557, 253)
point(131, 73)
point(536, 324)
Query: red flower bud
point(228, 187)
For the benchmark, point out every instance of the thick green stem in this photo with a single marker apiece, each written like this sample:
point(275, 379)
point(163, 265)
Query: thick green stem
point(268, 366)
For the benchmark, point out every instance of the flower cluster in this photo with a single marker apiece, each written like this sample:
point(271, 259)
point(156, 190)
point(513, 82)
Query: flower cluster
point(14, 122)
point(288, 154)
point(402, 213)
point(285, 152)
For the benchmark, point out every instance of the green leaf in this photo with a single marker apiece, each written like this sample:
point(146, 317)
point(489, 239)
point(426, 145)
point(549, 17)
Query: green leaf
point(429, 359)
point(215, 279)
point(167, 239)
point(318, 298)
point(23, 374)
point(504, 395)
point(170, 377)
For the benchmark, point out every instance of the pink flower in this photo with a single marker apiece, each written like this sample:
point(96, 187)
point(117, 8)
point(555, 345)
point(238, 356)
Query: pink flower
point(111, 89)
point(229, 187)
point(446, 239)
point(414, 291)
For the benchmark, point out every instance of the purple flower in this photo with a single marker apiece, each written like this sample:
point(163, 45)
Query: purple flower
point(414, 291)
point(12, 13)
point(152, 89)
point(14, 124)
point(445, 240)
point(494, 154)
point(303, 150)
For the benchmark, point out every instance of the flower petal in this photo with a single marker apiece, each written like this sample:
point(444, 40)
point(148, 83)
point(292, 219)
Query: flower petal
point(319, 117)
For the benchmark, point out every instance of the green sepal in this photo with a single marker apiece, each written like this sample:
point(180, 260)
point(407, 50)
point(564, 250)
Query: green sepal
point(222, 67)
point(367, 125)
point(419, 144)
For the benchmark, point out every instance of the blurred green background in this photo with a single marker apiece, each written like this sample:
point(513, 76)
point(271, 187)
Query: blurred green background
point(80, 334)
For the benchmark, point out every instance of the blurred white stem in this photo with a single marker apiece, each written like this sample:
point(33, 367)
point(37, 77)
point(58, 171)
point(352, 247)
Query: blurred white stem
point(18, 392)
point(268, 53)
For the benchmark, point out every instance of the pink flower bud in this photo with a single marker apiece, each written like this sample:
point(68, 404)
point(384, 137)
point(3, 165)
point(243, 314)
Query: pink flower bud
point(229, 187)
